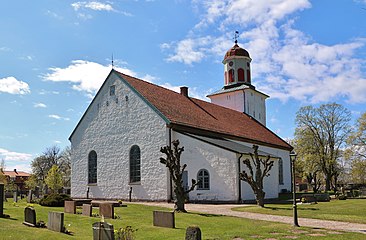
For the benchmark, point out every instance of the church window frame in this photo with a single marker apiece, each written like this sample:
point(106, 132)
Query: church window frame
point(92, 167)
point(203, 179)
point(280, 171)
point(231, 76)
point(135, 165)
point(241, 77)
point(112, 90)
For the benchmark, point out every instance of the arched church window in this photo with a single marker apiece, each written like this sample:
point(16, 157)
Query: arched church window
point(225, 76)
point(280, 171)
point(241, 75)
point(203, 178)
point(135, 164)
point(92, 167)
point(231, 75)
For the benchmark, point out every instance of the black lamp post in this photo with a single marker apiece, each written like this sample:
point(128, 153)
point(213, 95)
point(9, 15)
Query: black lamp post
point(293, 156)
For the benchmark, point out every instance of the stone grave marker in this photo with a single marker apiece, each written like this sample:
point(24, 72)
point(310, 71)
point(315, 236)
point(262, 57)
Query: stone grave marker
point(56, 221)
point(106, 210)
point(70, 207)
point(2, 195)
point(87, 210)
point(15, 196)
point(193, 233)
point(30, 217)
point(29, 197)
point(163, 219)
point(103, 231)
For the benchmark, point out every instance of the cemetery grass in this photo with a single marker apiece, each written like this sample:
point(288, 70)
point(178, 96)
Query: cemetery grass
point(140, 217)
point(350, 210)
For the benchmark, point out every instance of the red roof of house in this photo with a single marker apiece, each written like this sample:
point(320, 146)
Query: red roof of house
point(16, 174)
point(194, 113)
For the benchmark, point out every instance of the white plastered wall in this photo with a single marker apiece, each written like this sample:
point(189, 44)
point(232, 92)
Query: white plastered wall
point(111, 126)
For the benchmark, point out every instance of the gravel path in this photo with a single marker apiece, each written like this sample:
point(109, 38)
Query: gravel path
point(225, 209)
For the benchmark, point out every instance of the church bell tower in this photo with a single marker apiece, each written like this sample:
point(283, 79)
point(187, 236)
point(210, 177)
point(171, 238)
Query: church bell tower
point(238, 92)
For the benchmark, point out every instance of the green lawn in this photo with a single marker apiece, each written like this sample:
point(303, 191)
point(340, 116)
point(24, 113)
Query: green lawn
point(350, 210)
point(140, 217)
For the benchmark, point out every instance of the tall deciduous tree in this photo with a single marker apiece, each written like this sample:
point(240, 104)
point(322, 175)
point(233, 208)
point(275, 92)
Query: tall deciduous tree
point(326, 129)
point(258, 168)
point(172, 162)
point(42, 164)
point(54, 179)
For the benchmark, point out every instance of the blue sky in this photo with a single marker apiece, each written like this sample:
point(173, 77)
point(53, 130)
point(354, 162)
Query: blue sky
point(54, 55)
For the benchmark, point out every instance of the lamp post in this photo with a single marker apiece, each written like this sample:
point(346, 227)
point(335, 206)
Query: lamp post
point(293, 156)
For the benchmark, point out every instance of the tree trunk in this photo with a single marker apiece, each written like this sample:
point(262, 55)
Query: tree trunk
point(327, 183)
point(259, 195)
point(179, 204)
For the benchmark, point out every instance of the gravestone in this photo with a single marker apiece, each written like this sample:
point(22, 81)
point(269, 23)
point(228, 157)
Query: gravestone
point(103, 231)
point(193, 233)
point(56, 221)
point(30, 217)
point(70, 207)
point(15, 196)
point(87, 210)
point(2, 195)
point(29, 197)
point(106, 210)
point(163, 219)
point(308, 198)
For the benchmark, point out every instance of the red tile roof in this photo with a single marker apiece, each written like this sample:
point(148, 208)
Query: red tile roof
point(199, 114)
point(16, 174)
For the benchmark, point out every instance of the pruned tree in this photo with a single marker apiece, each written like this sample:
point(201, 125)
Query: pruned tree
point(54, 179)
point(172, 162)
point(326, 129)
point(258, 168)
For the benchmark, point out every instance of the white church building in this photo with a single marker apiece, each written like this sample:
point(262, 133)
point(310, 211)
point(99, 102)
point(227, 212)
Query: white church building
point(116, 144)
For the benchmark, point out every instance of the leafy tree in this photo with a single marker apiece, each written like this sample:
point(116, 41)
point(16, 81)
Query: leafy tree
point(324, 131)
point(31, 182)
point(172, 162)
point(357, 138)
point(3, 177)
point(50, 157)
point(358, 171)
point(262, 166)
point(54, 179)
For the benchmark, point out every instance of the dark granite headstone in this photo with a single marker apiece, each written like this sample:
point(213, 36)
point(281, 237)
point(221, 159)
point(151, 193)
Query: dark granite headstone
point(15, 196)
point(87, 210)
point(30, 217)
point(70, 207)
point(163, 219)
point(56, 221)
point(29, 197)
point(193, 233)
point(106, 210)
point(103, 231)
point(2, 195)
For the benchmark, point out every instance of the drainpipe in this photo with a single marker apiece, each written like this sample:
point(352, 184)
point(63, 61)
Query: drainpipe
point(239, 181)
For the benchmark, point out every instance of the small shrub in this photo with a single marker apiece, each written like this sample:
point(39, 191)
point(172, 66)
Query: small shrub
point(95, 214)
point(342, 197)
point(54, 200)
point(124, 233)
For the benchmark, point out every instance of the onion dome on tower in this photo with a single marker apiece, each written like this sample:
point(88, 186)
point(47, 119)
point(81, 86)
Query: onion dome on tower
point(237, 66)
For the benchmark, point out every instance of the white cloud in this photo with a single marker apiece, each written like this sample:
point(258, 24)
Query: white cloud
point(39, 105)
point(14, 156)
point(286, 63)
point(13, 86)
point(55, 116)
point(94, 5)
point(85, 75)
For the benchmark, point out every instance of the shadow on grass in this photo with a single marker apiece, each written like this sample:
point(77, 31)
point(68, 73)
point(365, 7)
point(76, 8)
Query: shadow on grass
point(206, 214)
point(290, 208)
